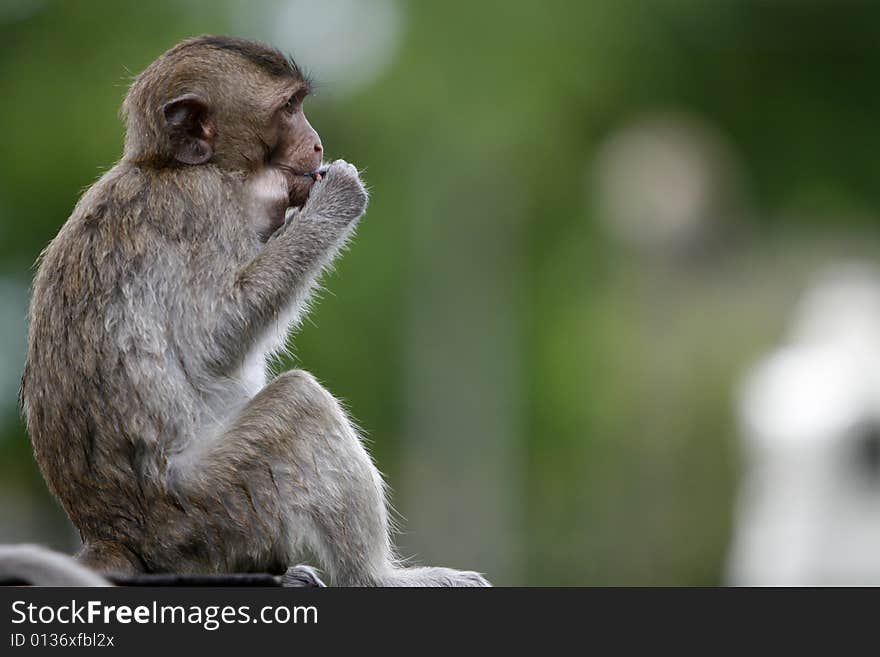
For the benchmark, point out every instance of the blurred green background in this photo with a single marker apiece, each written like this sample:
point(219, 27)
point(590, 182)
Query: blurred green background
point(587, 220)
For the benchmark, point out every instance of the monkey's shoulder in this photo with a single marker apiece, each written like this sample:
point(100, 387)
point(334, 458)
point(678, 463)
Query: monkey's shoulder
point(128, 214)
point(106, 240)
point(123, 202)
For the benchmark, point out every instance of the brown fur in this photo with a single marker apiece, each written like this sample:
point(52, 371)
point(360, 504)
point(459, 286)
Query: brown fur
point(153, 312)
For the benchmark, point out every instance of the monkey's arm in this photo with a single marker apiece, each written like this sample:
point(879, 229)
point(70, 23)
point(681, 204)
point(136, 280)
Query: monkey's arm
point(280, 278)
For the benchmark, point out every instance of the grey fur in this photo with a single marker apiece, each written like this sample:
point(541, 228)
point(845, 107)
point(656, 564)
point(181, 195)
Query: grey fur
point(154, 311)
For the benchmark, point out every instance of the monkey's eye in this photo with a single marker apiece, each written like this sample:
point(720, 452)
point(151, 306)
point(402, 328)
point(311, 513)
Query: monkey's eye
point(294, 102)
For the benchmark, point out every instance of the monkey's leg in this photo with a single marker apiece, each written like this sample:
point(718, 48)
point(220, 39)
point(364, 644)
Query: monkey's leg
point(329, 494)
point(109, 557)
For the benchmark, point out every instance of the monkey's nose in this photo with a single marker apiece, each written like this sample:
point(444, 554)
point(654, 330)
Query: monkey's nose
point(318, 147)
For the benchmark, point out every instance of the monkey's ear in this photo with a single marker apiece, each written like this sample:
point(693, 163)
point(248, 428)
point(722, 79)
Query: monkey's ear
point(190, 128)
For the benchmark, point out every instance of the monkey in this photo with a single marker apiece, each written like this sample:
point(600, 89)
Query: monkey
point(153, 313)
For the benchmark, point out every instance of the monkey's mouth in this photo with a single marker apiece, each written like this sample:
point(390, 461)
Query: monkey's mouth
point(319, 173)
point(300, 184)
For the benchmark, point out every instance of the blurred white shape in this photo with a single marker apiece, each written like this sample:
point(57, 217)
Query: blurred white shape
point(842, 304)
point(346, 43)
point(13, 326)
point(809, 505)
point(665, 180)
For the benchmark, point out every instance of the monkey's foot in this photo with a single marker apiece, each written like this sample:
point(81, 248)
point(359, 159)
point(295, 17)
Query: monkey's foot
point(433, 576)
point(461, 578)
point(301, 576)
point(469, 578)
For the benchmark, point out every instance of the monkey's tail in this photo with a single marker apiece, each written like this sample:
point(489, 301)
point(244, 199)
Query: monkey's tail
point(39, 566)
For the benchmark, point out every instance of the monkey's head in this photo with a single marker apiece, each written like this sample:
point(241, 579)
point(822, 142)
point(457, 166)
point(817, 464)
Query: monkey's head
point(228, 102)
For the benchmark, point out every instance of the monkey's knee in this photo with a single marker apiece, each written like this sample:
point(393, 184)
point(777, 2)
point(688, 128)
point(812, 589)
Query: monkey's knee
point(303, 402)
point(304, 389)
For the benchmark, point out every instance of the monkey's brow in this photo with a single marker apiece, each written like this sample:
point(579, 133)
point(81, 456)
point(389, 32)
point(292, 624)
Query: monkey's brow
point(308, 81)
point(300, 88)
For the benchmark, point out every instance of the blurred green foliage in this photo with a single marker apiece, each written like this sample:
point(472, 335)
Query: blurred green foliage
point(627, 362)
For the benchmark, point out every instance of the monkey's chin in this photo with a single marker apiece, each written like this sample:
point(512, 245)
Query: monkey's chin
point(300, 187)
point(300, 184)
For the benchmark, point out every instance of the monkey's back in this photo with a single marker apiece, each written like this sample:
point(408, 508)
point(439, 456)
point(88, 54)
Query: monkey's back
point(108, 389)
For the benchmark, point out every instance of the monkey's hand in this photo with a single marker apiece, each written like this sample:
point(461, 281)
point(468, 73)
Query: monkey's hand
point(285, 271)
point(339, 196)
